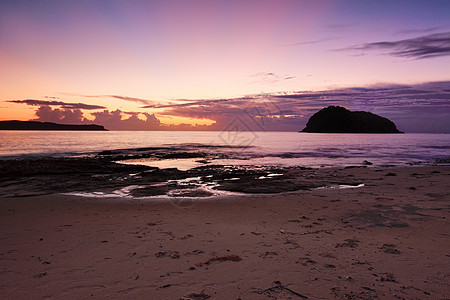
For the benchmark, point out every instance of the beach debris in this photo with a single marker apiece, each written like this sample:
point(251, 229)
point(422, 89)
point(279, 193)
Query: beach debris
point(351, 243)
point(196, 296)
point(277, 288)
point(195, 252)
point(268, 254)
point(294, 244)
point(348, 278)
point(186, 237)
point(171, 254)
point(414, 288)
point(327, 254)
point(295, 221)
point(389, 277)
point(390, 248)
point(305, 261)
point(231, 257)
point(283, 231)
point(40, 275)
point(367, 163)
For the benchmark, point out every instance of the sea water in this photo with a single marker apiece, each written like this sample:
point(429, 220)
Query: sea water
point(240, 147)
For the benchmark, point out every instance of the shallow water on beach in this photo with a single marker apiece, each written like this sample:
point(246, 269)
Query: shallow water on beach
point(238, 148)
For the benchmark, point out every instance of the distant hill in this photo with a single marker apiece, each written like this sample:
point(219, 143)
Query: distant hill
point(35, 125)
point(336, 119)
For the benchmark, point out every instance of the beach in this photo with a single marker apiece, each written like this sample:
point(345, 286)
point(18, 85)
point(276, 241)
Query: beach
point(349, 233)
point(230, 150)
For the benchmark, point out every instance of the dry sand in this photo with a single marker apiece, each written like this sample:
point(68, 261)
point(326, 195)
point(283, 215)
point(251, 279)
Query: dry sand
point(387, 240)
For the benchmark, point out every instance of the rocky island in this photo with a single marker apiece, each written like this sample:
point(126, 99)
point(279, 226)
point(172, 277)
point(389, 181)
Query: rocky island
point(336, 119)
point(35, 125)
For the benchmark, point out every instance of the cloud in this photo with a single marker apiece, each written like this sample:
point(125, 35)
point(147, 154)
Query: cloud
point(64, 116)
point(125, 98)
point(66, 105)
point(132, 99)
point(427, 46)
point(421, 107)
point(310, 42)
point(419, 31)
point(201, 102)
point(340, 26)
point(418, 108)
point(113, 120)
point(265, 77)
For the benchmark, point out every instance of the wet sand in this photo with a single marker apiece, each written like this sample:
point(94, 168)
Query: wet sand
point(389, 239)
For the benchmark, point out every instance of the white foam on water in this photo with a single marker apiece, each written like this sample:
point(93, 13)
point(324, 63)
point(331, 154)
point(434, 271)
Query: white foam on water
point(340, 186)
point(121, 193)
point(126, 192)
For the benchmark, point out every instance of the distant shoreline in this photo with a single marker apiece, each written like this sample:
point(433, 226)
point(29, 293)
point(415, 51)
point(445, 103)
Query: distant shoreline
point(35, 125)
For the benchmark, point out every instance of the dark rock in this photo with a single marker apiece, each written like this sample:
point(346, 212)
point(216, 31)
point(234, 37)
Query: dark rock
point(336, 119)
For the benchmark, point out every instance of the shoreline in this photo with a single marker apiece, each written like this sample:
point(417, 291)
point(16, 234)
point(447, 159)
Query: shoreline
point(388, 239)
point(103, 175)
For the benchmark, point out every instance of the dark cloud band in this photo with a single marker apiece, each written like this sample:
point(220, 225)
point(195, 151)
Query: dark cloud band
point(432, 45)
point(66, 105)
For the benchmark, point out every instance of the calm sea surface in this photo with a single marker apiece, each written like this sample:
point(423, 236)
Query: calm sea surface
point(257, 148)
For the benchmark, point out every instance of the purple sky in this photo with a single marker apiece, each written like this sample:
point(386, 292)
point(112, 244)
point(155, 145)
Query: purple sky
point(164, 65)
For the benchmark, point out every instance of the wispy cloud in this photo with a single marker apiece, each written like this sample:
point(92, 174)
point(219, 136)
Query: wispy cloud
point(419, 30)
point(265, 77)
point(125, 98)
point(310, 42)
point(132, 99)
point(340, 26)
point(427, 46)
point(66, 105)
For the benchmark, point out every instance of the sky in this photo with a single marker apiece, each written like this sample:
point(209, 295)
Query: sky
point(222, 65)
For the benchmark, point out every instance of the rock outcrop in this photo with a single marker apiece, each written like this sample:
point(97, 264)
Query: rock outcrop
point(336, 119)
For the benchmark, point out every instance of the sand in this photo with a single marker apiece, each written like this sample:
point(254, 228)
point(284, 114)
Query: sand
point(389, 239)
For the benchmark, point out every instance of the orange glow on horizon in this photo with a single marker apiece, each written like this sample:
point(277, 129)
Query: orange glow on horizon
point(10, 114)
point(172, 120)
point(18, 112)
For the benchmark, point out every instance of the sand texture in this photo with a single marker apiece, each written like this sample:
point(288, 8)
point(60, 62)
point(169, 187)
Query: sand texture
point(389, 239)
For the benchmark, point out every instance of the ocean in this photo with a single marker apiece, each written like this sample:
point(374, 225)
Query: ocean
point(238, 147)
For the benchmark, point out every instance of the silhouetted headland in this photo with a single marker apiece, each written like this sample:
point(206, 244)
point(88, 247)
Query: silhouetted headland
point(336, 119)
point(35, 125)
